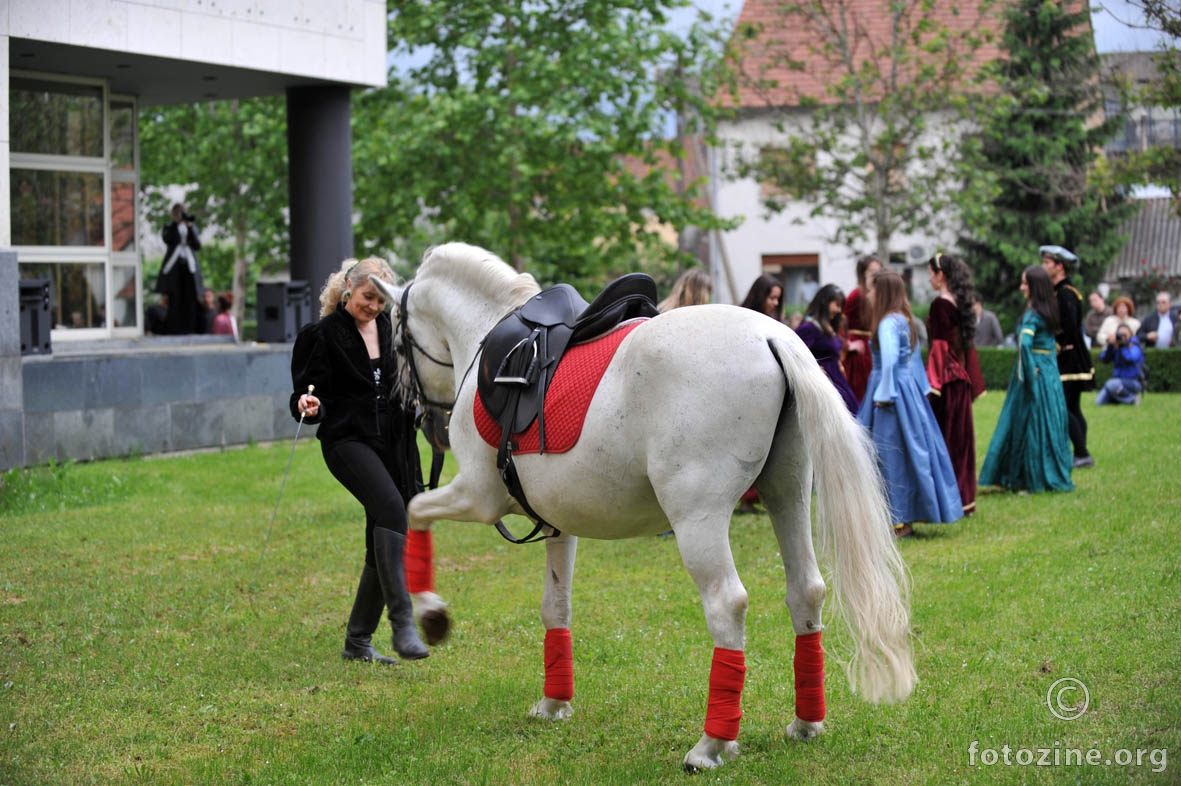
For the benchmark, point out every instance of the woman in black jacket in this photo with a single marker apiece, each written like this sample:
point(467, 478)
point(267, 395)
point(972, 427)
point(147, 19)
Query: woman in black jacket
point(367, 436)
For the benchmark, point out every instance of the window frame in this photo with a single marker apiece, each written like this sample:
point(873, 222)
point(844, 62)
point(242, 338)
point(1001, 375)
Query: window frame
point(104, 254)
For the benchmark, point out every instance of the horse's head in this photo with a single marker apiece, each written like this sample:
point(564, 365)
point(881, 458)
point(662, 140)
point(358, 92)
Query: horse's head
point(424, 358)
point(458, 293)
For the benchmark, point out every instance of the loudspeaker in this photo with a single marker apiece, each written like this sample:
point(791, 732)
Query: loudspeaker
point(35, 303)
point(283, 307)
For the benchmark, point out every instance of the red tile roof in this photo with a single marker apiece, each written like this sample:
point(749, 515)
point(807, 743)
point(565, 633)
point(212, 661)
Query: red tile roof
point(774, 37)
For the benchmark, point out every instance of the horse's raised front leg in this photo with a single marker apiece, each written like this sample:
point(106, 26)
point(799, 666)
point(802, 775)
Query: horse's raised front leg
point(452, 501)
point(468, 497)
point(556, 612)
point(430, 610)
point(705, 550)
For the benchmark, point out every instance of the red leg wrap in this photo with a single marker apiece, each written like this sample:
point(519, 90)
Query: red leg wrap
point(419, 560)
point(809, 668)
point(559, 665)
point(726, 677)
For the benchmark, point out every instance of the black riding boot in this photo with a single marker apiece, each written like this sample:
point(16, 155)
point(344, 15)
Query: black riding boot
point(364, 619)
point(387, 548)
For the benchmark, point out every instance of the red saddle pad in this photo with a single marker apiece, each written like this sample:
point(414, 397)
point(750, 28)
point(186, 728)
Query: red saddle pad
point(569, 395)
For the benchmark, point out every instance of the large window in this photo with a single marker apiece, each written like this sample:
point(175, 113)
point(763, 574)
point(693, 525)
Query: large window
point(57, 208)
point(72, 187)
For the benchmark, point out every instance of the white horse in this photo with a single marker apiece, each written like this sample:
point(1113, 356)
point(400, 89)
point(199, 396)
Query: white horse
point(697, 405)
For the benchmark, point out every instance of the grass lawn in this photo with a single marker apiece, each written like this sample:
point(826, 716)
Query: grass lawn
point(146, 637)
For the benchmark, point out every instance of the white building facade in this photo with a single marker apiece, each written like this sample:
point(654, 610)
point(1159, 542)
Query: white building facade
point(77, 74)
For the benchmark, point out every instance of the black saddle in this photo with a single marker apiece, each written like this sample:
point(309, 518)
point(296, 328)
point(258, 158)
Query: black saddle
point(521, 354)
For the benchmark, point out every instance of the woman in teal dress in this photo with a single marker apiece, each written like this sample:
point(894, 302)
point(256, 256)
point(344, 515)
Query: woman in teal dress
point(1030, 449)
point(920, 482)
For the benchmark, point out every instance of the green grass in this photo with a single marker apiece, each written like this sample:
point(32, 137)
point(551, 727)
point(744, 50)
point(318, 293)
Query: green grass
point(141, 643)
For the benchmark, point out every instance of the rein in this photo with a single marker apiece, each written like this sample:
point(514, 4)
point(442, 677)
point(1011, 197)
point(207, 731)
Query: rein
point(408, 347)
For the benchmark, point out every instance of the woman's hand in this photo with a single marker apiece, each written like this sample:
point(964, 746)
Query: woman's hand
point(309, 405)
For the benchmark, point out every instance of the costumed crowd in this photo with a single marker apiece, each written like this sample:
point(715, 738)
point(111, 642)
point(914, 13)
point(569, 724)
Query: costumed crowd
point(919, 414)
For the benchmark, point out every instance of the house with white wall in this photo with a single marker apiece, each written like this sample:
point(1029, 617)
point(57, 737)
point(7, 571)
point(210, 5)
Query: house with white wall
point(794, 245)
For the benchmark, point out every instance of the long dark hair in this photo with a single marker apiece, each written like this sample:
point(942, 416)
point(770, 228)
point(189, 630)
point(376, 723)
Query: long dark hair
point(1041, 295)
point(756, 297)
point(817, 310)
point(863, 268)
point(959, 281)
point(889, 297)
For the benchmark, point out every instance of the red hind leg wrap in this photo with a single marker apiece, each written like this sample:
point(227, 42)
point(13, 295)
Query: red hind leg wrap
point(809, 668)
point(559, 665)
point(419, 560)
point(726, 677)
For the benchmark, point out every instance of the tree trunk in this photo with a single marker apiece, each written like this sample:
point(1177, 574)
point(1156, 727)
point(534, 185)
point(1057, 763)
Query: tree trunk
point(239, 283)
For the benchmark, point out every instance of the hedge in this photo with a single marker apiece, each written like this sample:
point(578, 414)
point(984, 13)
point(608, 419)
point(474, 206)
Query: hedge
point(1164, 368)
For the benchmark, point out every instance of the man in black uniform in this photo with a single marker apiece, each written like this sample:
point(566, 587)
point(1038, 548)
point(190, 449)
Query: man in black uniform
point(1074, 359)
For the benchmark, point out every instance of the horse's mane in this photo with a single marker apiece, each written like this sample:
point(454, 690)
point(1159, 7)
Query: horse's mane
point(484, 269)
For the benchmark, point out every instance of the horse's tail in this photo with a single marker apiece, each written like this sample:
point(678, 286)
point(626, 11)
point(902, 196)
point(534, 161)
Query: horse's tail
point(871, 586)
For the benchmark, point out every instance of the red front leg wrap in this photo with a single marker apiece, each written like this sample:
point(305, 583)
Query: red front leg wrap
point(559, 665)
point(419, 560)
point(726, 677)
point(809, 668)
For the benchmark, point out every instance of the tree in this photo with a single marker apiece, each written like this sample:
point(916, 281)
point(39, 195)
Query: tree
point(231, 156)
point(869, 110)
point(517, 130)
point(1041, 140)
point(1158, 165)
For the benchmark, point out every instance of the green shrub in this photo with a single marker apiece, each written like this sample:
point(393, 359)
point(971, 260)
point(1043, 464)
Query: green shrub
point(1164, 367)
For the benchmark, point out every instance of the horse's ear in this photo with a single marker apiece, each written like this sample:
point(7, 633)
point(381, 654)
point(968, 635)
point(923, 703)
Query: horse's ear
point(392, 292)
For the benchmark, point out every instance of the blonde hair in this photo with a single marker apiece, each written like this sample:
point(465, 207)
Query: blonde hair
point(692, 288)
point(354, 272)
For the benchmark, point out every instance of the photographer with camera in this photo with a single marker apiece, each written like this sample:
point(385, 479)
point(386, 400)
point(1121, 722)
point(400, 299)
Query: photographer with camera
point(180, 275)
point(1127, 379)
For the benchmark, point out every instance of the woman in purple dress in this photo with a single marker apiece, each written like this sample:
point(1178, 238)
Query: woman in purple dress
point(821, 332)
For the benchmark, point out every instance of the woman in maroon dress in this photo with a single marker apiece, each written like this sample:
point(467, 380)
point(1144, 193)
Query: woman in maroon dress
point(953, 370)
point(821, 332)
point(858, 358)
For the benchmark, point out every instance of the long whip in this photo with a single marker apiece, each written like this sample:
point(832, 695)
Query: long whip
point(266, 541)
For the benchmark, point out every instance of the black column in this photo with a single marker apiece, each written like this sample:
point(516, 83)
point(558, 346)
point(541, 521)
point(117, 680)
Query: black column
point(320, 176)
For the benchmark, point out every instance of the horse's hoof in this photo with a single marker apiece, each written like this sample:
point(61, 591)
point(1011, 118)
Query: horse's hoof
point(551, 709)
point(805, 730)
point(710, 753)
point(430, 612)
point(435, 626)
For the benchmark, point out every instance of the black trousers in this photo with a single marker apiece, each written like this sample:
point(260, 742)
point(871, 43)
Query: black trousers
point(368, 473)
point(1076, 423)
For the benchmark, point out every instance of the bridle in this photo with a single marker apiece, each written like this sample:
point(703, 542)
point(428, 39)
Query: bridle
point(408, 347)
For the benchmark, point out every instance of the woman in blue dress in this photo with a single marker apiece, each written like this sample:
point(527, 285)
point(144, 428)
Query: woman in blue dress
point(1030, 448)
point(920, 482)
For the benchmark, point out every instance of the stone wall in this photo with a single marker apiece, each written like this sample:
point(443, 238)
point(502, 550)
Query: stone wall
point(98, 399)
point(12, 439)
point(153, 399)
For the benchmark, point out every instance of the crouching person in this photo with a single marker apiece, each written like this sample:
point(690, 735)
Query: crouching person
point(1127, 380)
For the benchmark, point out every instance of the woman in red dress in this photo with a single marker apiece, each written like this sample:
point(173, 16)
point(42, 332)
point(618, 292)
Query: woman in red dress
point(858, 358)
point(953, 370)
